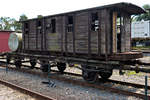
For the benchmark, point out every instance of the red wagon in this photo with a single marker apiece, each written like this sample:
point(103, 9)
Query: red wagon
point(4, 35)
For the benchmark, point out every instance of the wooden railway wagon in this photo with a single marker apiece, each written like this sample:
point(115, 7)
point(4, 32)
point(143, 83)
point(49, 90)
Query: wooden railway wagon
point(99, 36)
point(102, 32)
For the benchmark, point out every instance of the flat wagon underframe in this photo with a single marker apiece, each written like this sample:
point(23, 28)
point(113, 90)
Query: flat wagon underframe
point(134, 65)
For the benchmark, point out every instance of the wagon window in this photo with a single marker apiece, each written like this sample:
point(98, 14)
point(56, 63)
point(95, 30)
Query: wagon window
point(120, 23)
point(94, 22)
point(53, 25)
point(39, 26)
point(70, 24)
point(26, 27)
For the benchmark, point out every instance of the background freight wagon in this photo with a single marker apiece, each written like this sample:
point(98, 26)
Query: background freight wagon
point(140, 33)
point(140, 29)
point(4, 35)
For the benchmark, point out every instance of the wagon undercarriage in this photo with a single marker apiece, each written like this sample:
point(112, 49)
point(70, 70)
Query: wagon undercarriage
point(91, 69)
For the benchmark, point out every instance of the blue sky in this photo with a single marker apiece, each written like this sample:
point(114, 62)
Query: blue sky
point(32, 8)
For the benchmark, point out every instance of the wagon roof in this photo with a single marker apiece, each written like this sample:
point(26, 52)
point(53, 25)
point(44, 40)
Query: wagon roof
point(123, 6)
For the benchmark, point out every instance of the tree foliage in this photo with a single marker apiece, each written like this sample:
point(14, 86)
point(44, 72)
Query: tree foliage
point(39, 16)
point(145, 16)
point(17, 24)
point(7, 23)
point(23, 17)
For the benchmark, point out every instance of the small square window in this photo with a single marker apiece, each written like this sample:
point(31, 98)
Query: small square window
point(39, 26)
point(26, 28)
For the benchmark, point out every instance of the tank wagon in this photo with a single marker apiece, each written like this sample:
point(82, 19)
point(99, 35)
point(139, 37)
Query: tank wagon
point(4, 35)
point(99, 39)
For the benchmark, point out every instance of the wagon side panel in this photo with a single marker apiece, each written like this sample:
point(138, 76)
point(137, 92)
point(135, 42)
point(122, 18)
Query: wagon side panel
point(128, 33)
point(103, 31)
point(53, 36)
point(81, 34)
point(32, 36)
point(125, 33)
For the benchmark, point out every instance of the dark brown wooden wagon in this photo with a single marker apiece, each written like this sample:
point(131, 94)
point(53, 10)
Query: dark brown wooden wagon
point(96, 32)
point(95, 37)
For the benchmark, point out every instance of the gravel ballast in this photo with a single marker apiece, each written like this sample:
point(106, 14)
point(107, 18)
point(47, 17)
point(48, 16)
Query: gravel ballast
point(7, 93)
point(61, 90)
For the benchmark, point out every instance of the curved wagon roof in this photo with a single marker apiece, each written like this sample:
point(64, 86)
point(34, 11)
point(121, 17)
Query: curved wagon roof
point(129, 8)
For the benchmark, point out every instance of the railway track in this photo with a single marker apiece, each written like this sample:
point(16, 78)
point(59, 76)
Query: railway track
point(109, 80)
point(82, 83)
point(36, 95)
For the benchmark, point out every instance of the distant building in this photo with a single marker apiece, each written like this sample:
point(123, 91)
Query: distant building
point(140, 29)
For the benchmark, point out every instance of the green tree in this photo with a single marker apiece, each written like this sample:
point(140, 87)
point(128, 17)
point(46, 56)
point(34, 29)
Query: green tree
point(39, 16)
point(145, 16)
point(6, 23)
point(23, 17)
point(17, 24)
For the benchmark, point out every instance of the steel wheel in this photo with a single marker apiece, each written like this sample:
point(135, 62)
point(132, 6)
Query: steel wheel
point(32, 63)
point(106, 75)
point(61, 67)
point(45, 68)
point(90, 77)
point(17, 63)
point(8, 60)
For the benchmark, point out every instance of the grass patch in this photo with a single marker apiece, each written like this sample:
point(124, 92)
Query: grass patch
point(129, 73)
point(141, 48)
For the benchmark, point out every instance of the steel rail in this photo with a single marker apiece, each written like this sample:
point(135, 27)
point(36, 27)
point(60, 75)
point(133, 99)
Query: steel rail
point(110, 80)
point(34, 94)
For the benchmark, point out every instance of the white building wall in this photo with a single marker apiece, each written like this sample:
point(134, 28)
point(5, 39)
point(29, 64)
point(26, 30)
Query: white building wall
point(140, 29)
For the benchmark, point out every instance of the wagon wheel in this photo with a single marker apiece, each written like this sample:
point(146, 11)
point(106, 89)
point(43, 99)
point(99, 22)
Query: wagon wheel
point(45, 68)
point(32, 63)
point(8, 59)
point(17, 63)
point(90, 76)
point(61, 67)
point(106, 75)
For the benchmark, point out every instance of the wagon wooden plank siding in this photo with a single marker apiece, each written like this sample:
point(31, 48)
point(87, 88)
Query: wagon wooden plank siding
point(100, 33)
